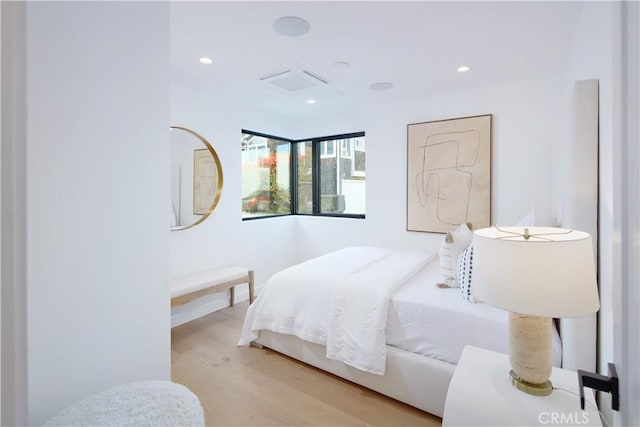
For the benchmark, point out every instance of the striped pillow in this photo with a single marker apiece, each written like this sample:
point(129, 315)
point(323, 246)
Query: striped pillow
point(465, 274)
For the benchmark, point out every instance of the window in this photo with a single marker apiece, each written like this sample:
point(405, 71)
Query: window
point(345, 148)
point(304, 181)
point(265, 176)
point(357, 165)
point(328, 150)
point(318, 176)
point(341, 190)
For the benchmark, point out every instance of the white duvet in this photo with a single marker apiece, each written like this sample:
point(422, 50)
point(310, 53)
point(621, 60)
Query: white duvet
point(339, 300)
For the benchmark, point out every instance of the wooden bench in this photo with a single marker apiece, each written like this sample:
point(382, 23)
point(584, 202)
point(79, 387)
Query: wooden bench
point(188, 288)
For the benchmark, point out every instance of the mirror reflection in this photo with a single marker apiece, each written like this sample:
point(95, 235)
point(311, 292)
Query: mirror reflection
point(196, 178)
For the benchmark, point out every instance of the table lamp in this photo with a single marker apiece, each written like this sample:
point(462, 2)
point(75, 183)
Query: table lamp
point(536, 273)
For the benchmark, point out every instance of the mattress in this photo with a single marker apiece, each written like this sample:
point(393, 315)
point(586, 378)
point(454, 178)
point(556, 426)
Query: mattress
point(439, 322)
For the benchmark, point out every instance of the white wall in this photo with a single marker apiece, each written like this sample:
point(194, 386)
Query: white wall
point(0, 228)
point(592, 57)
point(627, 337)
point(522, 128)
point(97, 186)
point(606, 48)
point(14, 306)
point(266, 245)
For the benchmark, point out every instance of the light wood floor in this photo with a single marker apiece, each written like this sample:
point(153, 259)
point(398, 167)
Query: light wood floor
point(259, 387)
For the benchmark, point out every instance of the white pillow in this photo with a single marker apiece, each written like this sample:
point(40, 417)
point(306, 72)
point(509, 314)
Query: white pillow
point(465, 274)
point(446, 262)
point(450, 248)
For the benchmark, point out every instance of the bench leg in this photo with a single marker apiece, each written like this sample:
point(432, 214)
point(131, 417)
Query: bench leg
point(250, 286)
point(231, 295)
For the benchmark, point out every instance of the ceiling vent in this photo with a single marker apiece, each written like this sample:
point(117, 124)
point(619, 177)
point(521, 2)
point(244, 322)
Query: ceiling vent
point(293, 81)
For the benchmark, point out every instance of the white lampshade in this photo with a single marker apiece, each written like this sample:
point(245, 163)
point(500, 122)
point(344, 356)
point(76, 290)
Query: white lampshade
point(551, 274)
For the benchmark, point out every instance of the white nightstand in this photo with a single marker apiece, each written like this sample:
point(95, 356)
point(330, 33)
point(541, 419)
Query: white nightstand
point(481, 394)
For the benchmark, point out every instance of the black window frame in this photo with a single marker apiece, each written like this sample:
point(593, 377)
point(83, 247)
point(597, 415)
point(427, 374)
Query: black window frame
point(315, 173)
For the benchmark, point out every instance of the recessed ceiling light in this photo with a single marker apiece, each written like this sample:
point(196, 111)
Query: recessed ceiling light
point(381, 86)
point(291, 26)
point(341, 64)
point(205, 60)
point(311, 101)
point(463, 69)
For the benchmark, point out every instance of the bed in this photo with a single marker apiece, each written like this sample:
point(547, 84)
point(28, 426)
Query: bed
point(401, 338)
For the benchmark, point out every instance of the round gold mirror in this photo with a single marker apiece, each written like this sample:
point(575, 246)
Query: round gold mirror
point(196, 178)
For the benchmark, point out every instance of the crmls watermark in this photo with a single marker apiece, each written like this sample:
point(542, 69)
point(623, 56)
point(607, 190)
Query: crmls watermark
point(563, 418)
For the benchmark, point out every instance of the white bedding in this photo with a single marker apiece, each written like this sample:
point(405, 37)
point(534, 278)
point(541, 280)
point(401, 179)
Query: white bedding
point(359, 308)
point(309, 300)
point(420, 317)
point(438, 323)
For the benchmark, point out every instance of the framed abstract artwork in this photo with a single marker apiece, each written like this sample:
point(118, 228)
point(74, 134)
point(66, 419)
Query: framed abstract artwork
point(205, 181)
point(449, 174)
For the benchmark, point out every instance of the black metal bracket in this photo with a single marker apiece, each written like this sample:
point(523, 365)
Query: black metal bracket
point(600, 382)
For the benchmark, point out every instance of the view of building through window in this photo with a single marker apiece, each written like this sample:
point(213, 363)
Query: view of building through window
point(305, 177)
point(342, 176)
point(336, 188)
point(265, 176)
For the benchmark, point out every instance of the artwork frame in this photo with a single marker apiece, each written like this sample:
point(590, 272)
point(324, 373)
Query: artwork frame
point(449, 174)
point(205, 181)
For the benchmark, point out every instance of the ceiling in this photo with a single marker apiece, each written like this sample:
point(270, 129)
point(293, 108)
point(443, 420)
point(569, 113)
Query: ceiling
point(415, 45)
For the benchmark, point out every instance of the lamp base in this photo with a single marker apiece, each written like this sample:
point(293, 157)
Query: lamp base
point(530, 353)
point(543, 389)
